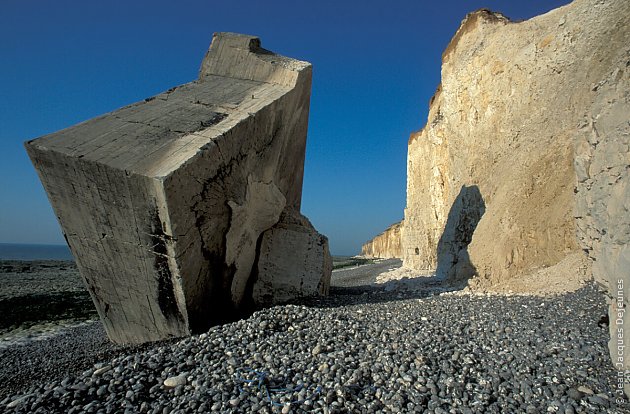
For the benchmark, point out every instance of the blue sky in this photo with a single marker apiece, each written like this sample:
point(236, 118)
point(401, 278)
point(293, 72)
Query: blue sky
point(376, 64)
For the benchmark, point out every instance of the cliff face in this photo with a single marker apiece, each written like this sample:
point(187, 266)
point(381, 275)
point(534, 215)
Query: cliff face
point(386, 245)
point(490, 178)
point(524, 160)
point(602, 164)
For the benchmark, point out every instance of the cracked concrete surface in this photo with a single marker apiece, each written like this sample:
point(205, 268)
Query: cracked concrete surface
point(262, 207)
point(164, 202)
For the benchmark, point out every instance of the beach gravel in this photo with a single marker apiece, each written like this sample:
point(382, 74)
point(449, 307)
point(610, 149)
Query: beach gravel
point(372, 351)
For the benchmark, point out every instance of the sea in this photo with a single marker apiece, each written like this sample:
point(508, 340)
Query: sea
point(11, 251)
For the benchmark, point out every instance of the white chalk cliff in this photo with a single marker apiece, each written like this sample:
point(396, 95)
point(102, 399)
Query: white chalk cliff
point(386, 245)
point(525, 156)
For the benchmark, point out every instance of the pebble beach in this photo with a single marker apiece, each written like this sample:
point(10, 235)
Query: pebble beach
point(364, 349)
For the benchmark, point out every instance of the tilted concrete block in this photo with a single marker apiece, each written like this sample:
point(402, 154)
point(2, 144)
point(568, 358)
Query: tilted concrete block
point(164, 202)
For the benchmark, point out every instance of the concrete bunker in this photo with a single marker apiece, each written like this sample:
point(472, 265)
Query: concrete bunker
point(168, 203)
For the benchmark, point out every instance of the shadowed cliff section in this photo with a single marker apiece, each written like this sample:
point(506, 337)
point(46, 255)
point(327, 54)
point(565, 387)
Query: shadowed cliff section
point(453, 260)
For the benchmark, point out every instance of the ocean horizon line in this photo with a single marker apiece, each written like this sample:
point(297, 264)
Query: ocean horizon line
point(34, 251)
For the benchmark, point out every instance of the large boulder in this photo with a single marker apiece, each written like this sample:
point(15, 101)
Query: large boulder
point(164, 202)
point(283, 275)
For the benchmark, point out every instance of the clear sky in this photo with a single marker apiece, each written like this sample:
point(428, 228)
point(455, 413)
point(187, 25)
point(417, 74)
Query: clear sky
point(376, 64)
